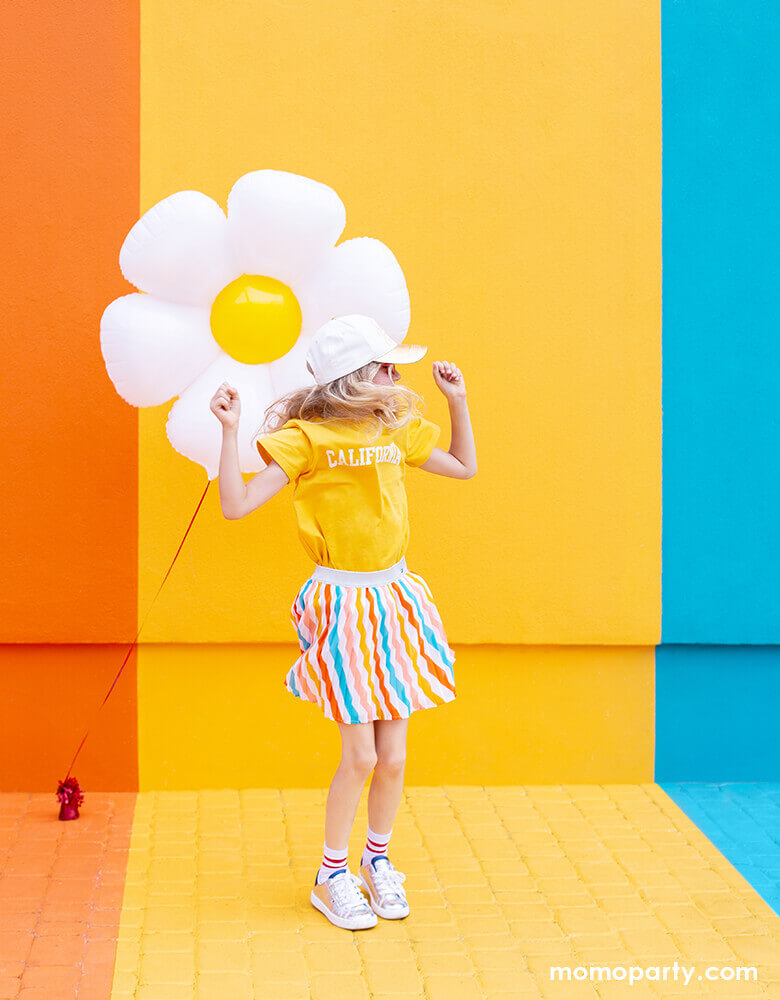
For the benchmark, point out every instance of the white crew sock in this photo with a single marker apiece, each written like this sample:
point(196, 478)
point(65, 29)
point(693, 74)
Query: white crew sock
point(332, 860)
point(376, 843)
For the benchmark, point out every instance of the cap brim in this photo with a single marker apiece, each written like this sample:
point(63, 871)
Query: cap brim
point(404, 354)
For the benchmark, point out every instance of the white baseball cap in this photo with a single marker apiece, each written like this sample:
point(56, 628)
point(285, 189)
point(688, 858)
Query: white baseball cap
point(346, 343)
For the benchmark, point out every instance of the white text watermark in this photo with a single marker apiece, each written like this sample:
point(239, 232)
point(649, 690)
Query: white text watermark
point(674, 973)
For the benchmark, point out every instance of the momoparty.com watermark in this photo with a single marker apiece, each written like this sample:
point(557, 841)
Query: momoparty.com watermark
point(653, 973)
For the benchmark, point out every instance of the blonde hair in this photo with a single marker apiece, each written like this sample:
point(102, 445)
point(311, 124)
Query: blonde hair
point(352, 397)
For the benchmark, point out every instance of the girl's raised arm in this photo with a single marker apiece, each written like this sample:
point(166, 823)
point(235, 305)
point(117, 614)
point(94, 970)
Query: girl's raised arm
point(236, 497)
point(460, 462)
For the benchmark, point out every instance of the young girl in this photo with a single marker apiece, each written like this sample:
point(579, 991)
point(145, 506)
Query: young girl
point(373, 647)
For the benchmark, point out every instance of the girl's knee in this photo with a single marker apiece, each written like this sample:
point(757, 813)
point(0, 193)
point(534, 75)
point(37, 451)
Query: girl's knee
point(391, 761)
point(358, 751)
point(360, 761)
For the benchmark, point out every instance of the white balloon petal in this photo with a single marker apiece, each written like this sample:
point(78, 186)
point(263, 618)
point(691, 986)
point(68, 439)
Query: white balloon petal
point(195, 432)
point(154, 349)
point(290, 372)
point(282, 224)
point(360, 275)
point(179, 250)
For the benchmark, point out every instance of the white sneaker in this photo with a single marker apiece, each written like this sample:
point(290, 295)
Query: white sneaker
point(340, 899)
point(383, 884)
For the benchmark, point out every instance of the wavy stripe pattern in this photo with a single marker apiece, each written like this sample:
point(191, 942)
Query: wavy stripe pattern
point(370, 653)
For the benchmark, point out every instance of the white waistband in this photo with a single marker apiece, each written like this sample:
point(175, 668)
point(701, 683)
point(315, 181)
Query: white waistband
point(347, 578)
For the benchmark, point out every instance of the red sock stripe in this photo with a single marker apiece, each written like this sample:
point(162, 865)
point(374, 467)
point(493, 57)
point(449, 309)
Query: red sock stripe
point(335, 862)
point(373, 845)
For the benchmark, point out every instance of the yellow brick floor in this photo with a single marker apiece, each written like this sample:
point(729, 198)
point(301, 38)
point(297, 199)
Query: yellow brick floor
point(503, 882)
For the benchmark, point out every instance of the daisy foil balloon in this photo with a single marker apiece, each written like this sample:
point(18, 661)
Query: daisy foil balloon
point(237, 298)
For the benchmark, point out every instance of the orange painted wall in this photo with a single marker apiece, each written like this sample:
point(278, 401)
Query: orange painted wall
point(51, 697)
point(69, 75)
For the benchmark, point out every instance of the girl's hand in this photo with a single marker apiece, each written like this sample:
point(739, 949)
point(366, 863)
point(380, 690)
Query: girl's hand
point(226, 406)
point(449, 379)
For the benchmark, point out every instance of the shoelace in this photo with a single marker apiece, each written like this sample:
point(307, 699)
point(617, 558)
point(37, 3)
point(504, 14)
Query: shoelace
point(388, 879)
point(346, 891)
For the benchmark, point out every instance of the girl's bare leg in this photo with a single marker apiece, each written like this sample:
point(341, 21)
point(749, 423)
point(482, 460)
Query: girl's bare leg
point(384, 795)
point(358, 759)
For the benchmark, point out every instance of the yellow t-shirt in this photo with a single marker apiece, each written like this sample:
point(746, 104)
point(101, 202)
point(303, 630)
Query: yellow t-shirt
point(349, 490)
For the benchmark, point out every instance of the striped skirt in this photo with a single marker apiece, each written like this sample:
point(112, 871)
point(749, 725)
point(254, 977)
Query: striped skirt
point(372, 645)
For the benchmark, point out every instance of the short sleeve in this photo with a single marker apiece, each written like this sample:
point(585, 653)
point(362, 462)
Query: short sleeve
point(290, 447)
point(421, 440)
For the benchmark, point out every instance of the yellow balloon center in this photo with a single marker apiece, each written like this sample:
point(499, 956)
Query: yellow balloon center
point(255, 319)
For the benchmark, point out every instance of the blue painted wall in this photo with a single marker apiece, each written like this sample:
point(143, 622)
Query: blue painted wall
point(718, 670)
point(717, 713)
point(721, 322)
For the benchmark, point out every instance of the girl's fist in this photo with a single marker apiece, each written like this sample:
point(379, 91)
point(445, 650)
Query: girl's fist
point(226, 405)
point(449, 379)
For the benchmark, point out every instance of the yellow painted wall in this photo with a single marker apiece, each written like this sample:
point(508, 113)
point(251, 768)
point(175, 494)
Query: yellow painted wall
point(510, 156)
point(219, 716)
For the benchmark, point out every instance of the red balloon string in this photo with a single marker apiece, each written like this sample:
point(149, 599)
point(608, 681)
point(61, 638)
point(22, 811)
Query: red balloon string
point(133, 645)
